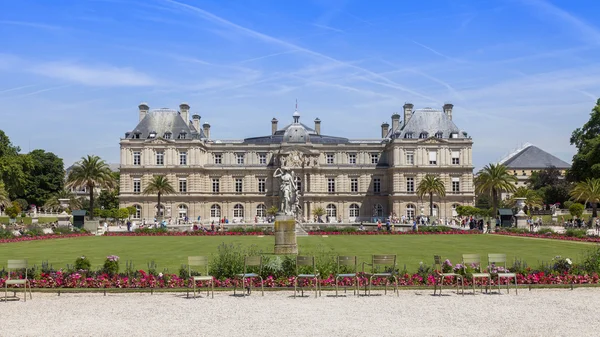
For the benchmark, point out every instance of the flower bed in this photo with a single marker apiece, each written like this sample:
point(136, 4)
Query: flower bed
point(187, 233)
point(44, 237)
point(553, 236)
point(317, 232)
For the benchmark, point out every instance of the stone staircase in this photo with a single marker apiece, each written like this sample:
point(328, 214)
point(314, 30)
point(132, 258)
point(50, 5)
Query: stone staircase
point(300, 231)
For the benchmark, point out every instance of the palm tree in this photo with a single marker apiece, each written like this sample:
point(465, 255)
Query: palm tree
point(588, 191)
point(159, 185)
point(91, 172)
point(431, 185)
point(4, 199)
point(491, 180)
point(319, 212)
point(54, 203)
point(532, 198)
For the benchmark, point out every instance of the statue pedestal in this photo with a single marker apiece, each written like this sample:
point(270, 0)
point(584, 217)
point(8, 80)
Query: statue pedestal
point(34, 219)
point(522, 221)
point(285, 235)
point(63, 219)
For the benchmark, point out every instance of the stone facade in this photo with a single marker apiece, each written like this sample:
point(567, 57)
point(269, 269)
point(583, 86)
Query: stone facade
point(353, 180)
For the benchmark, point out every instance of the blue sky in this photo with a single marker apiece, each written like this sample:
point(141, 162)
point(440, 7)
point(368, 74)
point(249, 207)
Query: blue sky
point(73, 72)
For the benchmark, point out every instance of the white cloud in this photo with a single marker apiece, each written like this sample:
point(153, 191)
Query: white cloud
point(93, 75)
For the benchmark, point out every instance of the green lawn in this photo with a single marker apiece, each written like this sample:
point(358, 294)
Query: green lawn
point(171, 252)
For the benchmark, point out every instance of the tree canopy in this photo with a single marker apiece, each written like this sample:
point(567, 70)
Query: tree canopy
point(586, 162)
point(46, 177)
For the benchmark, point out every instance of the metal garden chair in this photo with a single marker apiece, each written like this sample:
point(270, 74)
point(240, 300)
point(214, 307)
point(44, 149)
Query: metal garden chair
point(495, 259)
point(440, 276)
point(14, 265)
point(349, 262)
point(200, 261)
point(388, 261)
point(308, 261)
point(251, 261)
point(475, 261)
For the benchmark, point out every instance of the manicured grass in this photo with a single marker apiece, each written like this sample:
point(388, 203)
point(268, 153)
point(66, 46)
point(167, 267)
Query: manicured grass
point(171, 252)
point(27, 220)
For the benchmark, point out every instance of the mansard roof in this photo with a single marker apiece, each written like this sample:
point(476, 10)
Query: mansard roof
point(165, 121)
point(429, 121)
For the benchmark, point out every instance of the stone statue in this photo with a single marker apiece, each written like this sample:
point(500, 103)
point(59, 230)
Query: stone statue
point(287, 190)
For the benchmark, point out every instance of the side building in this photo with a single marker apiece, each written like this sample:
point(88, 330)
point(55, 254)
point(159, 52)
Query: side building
point(351, 179)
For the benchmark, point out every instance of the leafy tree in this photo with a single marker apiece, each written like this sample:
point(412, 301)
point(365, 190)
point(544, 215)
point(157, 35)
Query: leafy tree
point(493, 179)
point(576, 209)
point(319, 212)
point(272, 210)
point(532, 198)
point(122, 213)
point(588, 191)
point(159, 185)
point(132, 210)
point(483, 201)
point(91, 172)
point(4, 199)
point(586, 162)
point(550, 185)
point(109, 199)
point(54, 203)
point(431, 185)
point(13, 171)
point(23, 205)
point(13, 210)
point(45, 177)
point(6, 147)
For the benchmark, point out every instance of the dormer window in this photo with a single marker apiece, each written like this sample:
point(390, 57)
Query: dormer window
point(182, 135)
point(439, 135)
point(423, 135)
point(167, 135)
point(408, 135)
point(152, 134)
point(136, 135)
point(454, 135)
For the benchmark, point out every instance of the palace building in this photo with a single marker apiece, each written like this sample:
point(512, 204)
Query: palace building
point(351, 179)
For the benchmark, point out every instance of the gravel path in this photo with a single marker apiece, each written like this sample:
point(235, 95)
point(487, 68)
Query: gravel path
point(559, 312)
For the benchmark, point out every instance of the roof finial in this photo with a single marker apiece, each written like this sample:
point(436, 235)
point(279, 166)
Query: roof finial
point(296, 104)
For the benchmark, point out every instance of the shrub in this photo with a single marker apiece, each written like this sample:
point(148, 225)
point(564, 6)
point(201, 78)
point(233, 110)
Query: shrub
point(575, 233)
point(6, 234)
point(230, 260)
point(111, 265)
point(34, 230)
point(435, 229)
point(591, 261)
point(83, 263)
point(62, 230)
point(514, 230)
point(576, 209)
point(151, 230)
point(562, 265)
point(542, 231)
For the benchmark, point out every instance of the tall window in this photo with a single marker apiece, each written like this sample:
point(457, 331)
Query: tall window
point(377, 185)
point(215, 211)
point(138, 212)
point(238, 211)
point(261, 211)
point(410, 158)
point(239, 185)
point(432, 158)
point(410, 211)
point(137, 158)
point(354, 211)
point(377, 210)
point(137, 185)
point(160, 158)
point(331, 211)
point(455, 184)
point(374, 158)
point(329, 157)
point(298, 184)
point(455, 158)
point(354, 185)
point(218, 158)
point(215, 185)
point(352, 158)
point(410, 184)
point(262, 185)
point(182, 158)
point(240, 158)
point(331, 185)
point(435, 210)
point(182, 185)
point(262, 158)
point(183, 210)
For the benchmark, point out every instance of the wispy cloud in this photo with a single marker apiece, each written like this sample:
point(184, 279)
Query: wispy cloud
point(38, 91)
point(328, 28)
point(38, 25)
point(100, 75)
point(17, 88)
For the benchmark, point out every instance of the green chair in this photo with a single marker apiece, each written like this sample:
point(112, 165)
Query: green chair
point(306, 261)
point(475, 261)
point(200, 261)
point(251, 261)
point(17, 265)
point(500, 260)
point(440, 276)
point(349, 262)
point(388, 261)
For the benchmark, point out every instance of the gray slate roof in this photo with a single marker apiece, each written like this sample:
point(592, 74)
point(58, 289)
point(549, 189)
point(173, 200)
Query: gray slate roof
point(162, 121)
point(296, 133)
point(430, 121)
point(532, 157)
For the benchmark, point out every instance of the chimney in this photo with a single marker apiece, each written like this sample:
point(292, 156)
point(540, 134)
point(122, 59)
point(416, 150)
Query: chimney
point(448, 110)
point(395, 122)
point(407, 112)
point(206, 130)
point(385, 128)
point(273, 125)
point(317, 126)
point(143, 110)
point(184, 110)
point(196, 122)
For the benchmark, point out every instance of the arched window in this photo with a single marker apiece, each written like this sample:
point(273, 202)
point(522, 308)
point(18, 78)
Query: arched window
point(138, 212)
point(183, 211)
point(261, 211)
point(215, 211)
point(354, 211)
point(331, 210)
point(410, 211)
point(377, 210)
point(238, 211)
point(454, 212)
point(435, 210)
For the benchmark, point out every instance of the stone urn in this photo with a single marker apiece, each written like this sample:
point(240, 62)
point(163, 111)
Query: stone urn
point(520, 205)
point(63, 219)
